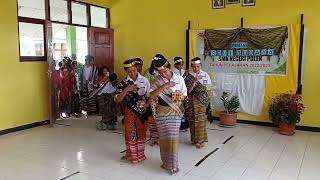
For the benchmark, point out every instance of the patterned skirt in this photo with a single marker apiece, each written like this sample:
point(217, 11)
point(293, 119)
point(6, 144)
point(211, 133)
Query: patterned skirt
point(168, 126)
point(153, 131)
point(107, 109)
point(90, 105)
point(135, 136)
point(198, 120)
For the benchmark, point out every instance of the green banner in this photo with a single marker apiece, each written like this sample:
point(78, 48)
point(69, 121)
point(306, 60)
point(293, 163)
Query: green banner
point(247, 50)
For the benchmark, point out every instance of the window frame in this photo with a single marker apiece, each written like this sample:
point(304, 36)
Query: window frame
point(107, 16)
point(48, 18)
point(88, 24)
point(48, 8)
point(33, 21)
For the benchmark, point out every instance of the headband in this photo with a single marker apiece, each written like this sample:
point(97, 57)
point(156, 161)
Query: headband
point(129, 65)
point(156, 58)
point(162, 67)
point(196, 62)
point(178, 61)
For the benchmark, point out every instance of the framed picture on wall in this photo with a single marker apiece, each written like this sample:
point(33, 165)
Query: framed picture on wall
point(232, 1)
point(248, 2)
point(218, 4)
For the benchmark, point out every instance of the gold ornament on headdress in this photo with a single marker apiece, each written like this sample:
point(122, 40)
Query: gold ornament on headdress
point(129, 65)
point(162, 67)
point(138, 62)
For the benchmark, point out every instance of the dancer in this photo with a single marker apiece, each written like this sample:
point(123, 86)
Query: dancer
point(133, 90)
point(168, 113)
point(198, 102)
point(151, 75)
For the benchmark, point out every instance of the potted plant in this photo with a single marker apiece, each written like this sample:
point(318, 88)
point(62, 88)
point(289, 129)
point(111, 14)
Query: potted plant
point(231, 106)
point(285, 110)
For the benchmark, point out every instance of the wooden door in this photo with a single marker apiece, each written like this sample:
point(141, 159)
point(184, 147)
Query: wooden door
point(102, 47)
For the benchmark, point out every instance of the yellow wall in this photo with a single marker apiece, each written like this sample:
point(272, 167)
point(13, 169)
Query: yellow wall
point(23, 89)
point(103, 3)
point(146, 27)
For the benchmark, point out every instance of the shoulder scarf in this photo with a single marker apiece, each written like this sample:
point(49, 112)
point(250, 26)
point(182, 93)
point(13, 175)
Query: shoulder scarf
point(199, 91)
point(92, 77)
point(97, 90)
point(132, 99)
point(166, 96)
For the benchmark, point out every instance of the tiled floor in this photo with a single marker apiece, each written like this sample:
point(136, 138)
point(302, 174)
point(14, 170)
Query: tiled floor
point(254, 153)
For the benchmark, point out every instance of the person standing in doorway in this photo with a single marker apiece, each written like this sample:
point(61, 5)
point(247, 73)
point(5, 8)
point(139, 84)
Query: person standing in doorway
point(65, 92)
point(75, 96)
point(88, 77)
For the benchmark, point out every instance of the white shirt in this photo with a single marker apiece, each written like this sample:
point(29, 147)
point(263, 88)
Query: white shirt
point(179, 72)
point(108, 88)
point(180, 85)
point(86, 72)
point(205, 80)
point(142, 83)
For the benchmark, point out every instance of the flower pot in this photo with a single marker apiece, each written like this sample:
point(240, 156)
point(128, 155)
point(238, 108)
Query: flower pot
point(287, 129)
point(228, 119)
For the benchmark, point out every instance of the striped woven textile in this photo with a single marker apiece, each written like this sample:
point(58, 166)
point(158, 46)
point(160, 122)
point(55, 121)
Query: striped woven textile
point(198, 123)
point(153, 131)
point(89, 104)
point(135, 136)
point(168, 125)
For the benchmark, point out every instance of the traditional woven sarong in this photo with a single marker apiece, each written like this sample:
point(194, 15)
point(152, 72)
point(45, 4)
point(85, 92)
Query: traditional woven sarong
point(89, 104)
point(153, 131)
point(75, 103)
point(152, 125)
point(168, 124)
point(135, 136)
point(198, 120)
point(107, 109)
point(196, 110)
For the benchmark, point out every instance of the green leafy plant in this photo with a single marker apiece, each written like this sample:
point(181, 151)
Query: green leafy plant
point(231, 104)
point(286, 108)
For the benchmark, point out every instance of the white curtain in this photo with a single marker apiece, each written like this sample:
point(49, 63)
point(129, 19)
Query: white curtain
point(249, 88)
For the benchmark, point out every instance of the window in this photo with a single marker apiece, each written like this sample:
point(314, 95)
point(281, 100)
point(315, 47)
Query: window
point(70, 21)
point(31, 9)
point(59, 51)
point(79, 13)
point(82, 43)
point(31, 30)
point(98, 17)
point(59, 11)
point(68, 40)
point(31, 39)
